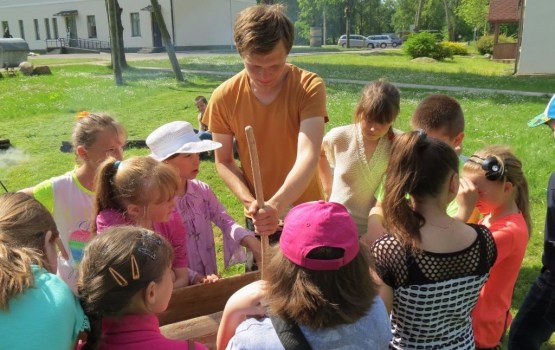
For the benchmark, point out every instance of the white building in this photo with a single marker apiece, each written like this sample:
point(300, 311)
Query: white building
point(537, 52)
point(192, 24)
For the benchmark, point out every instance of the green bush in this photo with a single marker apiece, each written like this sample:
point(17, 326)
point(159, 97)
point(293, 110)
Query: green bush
point(425, 44)
point(457, 48)
point(484, 45)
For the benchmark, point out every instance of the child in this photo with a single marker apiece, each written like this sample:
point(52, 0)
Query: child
point(140, 191)
point(442, 118)
point(125, 279)
point(37, 309)
point(535, 321)
point(503, 200)
point(69, 197)
point(176, 144)
point(358, 153)
point(432, 266)
point(317, 282)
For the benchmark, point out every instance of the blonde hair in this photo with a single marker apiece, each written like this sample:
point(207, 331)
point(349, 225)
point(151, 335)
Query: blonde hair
point(24, 223)
point(513, 173)
point(89, 125)
point(137, 180)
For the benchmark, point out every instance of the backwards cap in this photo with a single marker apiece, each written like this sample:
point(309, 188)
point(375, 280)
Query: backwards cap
point(548, 114)
point(319, 224)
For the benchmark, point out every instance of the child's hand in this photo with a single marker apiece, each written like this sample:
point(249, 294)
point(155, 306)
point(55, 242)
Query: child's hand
point(210, 278)
point(467, 197)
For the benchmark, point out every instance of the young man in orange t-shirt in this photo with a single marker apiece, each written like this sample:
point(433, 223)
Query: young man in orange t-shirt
point(285, 105)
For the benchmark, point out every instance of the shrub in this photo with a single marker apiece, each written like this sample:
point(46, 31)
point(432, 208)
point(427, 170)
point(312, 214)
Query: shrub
point(425, 44)
point(457, 48)
point(484, 45)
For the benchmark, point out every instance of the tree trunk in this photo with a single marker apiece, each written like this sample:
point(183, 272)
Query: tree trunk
point(348, 10)
point(449, 19)
point(123, 61)
point(167, 40)
point(114, 42)
point(418, 15)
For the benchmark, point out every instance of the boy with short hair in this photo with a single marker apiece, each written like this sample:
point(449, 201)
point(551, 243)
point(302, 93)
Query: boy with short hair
point(441, 117)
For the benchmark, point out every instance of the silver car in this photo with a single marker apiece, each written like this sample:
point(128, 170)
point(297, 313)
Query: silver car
point(355, 41)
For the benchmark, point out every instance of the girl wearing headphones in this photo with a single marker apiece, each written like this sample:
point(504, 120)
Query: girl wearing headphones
point(503, 202)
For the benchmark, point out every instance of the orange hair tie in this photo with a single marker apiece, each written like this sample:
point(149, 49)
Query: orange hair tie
point(81, 115)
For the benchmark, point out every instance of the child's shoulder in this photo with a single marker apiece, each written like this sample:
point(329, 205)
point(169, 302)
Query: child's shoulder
point(340, 132)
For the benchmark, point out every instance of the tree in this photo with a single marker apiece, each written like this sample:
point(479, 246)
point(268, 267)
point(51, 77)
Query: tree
point(167, 40)
point(114, 41)
point(123, 60)
point(450, 6)
point(474, 13)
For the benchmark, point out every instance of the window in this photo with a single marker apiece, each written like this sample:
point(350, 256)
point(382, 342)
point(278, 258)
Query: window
point(21, 29)
point(37, 32)
point(91, 26)
point(5, 28)
point(47, 28)
point(55, 27)
point(135, 24)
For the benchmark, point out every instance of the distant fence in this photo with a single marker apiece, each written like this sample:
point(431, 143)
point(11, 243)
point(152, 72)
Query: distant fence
point(88, 44)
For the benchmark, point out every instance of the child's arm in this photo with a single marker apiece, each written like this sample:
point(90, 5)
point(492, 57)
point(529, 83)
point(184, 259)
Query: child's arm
point(467, 196)
point(247, 301)
point(326, 175)
point(181, 275)
point(250, 242)
point(375, 225)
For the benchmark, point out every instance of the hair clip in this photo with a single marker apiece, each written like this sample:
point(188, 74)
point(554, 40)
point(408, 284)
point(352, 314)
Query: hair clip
point(421, 134)
point(152, 237)
point(116, 164)
point(81, 115)
point(117, 277)
point(147, 252)
point(135, 273)
point(492, 165)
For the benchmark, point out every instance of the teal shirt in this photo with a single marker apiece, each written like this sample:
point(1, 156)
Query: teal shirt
point(45, 316)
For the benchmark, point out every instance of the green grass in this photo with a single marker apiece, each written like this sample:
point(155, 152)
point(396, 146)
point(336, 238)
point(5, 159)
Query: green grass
point(37, 113)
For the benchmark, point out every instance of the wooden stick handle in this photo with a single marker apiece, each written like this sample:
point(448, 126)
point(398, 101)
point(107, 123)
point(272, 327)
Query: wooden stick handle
point(259, 194)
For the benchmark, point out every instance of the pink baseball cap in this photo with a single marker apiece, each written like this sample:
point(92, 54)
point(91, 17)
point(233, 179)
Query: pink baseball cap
point(319, 224)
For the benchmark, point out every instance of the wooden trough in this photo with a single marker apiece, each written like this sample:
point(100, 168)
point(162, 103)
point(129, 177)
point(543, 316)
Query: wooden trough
point(195, 312)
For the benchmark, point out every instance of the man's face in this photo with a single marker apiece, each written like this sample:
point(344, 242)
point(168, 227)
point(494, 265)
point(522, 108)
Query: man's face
point(201, 106)
point(266, 71)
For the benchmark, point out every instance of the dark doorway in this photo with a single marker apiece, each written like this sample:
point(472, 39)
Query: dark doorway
point(71, 30)
point(156, 35)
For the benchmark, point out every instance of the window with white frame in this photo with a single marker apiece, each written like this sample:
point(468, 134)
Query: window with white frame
point(91, 26)
point(47, 28)
point(37, 29)
point(21, 29)
point(135, 24)
point(55, 28)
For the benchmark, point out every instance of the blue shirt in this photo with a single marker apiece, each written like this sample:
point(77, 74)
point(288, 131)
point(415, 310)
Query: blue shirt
point(45, 316)
point(372, 331)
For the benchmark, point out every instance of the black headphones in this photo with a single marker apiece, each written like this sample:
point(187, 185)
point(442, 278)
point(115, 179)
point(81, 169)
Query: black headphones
point(492, 165)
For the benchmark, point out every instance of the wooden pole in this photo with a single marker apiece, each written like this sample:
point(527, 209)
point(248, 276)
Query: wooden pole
point(259, 194)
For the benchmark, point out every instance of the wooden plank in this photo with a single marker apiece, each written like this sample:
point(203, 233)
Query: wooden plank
point(203, 299)
point(203, 329)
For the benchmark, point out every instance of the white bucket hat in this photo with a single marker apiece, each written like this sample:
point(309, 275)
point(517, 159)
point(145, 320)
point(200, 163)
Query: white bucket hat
point(177, 137)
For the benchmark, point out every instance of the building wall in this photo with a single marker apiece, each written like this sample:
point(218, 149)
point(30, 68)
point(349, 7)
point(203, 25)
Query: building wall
point(196, 23)
point(537, 52)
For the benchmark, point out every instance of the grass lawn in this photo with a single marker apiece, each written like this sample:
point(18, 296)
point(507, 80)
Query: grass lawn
point(37, 113)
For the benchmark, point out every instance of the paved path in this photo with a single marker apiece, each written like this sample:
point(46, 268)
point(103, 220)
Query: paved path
point(163, 55)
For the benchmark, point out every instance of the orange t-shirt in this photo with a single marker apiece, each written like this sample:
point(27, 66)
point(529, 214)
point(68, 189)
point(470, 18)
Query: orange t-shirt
point(491, 315)
point(276, 126)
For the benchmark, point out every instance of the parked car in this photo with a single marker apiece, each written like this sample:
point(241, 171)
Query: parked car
point(388, 39)
point(356, 41)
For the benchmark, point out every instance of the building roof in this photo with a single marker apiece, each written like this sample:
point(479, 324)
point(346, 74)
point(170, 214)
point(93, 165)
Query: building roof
point(506, 11)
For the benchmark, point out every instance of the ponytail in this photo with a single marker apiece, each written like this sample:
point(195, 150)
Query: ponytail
point(418, 167)
point(105, 191)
